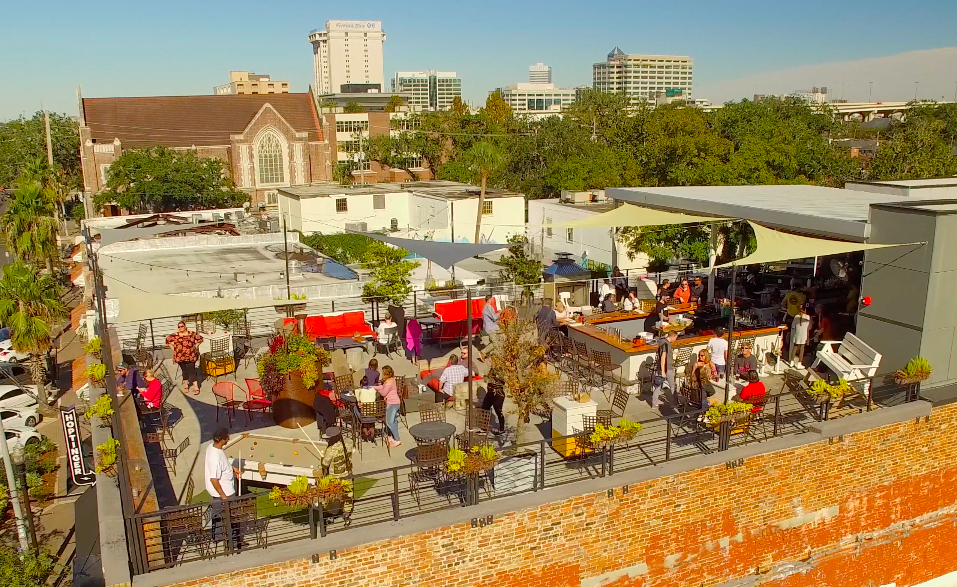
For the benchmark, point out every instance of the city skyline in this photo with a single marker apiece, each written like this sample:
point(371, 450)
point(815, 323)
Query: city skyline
point(160, 48)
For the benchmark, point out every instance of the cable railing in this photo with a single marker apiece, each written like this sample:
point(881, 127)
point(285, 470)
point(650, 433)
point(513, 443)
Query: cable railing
point(262, 322)
point(187, 533)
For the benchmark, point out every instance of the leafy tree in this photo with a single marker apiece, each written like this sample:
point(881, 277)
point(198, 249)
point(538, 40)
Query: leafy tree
point(352, 108)
point(394, 103)
point(50, 177)
point(346, 248)
point(28, 224)
point(483, 159)
point(519, 362)
point(390, 275)
point(164, 180)
point(342, 172)
point(397, 151)
point(519, 268)
point(664, 244)
point(917, 148)
point(24, 570)
point(23, 141)
point(458, 107)
point(29, 305)
point(497, 110)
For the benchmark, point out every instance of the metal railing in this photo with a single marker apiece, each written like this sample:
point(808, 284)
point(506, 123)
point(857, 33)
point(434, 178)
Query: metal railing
point(261, 322)
point(183, 534)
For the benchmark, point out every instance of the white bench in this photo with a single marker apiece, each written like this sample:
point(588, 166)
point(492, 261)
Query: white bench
point(851, 359)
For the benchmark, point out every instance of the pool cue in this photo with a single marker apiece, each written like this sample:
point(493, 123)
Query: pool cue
point(314, 445)
point(239, 481)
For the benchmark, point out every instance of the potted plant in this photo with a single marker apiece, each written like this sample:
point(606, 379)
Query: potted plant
point(295, 307)
point(479, 459)
point(96, 374)
point(106, 457)
point(299, 493)
point(332, 492)
point(734, 412)
point(94, 347)
point(628, 429)
point(289, 372)
point(102, 409)
point(917, 369)
point(823, 391)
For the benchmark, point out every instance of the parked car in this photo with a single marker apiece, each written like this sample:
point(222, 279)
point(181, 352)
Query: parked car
point(15, 373)
point(19, 417)
point(8, 355)
point(21, 437)
point(16, 396)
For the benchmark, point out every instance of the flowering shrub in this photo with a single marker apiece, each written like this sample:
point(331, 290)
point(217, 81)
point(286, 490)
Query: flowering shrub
point(290, 354)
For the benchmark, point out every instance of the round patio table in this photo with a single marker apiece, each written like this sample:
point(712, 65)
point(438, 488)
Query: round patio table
point(432, 431)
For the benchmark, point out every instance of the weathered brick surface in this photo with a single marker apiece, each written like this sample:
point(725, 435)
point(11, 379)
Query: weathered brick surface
point(875, 508)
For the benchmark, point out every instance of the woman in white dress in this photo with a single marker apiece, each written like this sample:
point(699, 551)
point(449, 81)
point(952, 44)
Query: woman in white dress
point(800, 326)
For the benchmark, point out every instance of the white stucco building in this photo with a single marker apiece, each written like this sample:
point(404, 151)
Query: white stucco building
point(539, 73)
point(422, 209)
point(590, 244)
point(643, 77)
point(347, 52)
point(537, 99)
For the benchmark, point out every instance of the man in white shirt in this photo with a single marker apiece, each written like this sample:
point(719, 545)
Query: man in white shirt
point(451, 376)
point(631, 303)
point(220, 477)
point(718, 349)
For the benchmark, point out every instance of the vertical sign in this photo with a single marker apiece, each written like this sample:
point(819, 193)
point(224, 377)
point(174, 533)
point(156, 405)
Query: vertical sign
point(74, 450)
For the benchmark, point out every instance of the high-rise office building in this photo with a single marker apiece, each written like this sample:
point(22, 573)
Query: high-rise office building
point(347, 52)
point(644, 77)
point(539, 74)
point(430, 89)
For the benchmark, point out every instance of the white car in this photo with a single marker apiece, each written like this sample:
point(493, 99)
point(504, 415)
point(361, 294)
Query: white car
point(8, 355)
point(19, 417)
point(13, 396)
point(21, 437)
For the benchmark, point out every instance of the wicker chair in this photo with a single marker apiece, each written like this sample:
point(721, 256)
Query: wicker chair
point(431, 414)
point(618, 404)
point(607, 373)
point(478, 430)
point(185, 527)
point(374, 414)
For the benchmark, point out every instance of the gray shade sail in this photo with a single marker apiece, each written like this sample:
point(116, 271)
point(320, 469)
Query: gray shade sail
point(442, 254)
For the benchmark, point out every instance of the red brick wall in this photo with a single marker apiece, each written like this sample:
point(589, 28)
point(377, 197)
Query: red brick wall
point(873, 508)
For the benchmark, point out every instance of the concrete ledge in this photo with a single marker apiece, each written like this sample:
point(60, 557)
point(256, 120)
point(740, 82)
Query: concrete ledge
point(875, 419)
point(304, 549)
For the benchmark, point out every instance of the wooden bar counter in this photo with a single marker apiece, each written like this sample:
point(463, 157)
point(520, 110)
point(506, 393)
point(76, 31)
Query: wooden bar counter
point(637, 359)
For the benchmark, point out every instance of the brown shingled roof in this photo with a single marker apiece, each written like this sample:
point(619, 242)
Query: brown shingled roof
point(183, 121)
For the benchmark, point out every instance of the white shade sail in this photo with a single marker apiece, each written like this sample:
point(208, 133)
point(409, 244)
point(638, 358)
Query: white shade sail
point(631, 215)
point(776, 246)
point(442, 254)
point(137, 305)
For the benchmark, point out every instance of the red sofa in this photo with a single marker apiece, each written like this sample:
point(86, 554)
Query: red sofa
point(454, 310)
point(344, 325)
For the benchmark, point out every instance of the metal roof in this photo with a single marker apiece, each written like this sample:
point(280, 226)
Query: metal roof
point(808, 209)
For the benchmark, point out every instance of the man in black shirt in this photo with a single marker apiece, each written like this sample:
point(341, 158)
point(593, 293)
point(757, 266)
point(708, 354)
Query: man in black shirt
point(546, 320)
point(698, 291)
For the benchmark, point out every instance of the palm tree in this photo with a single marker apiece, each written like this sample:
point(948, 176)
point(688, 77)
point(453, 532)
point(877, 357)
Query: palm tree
point(483, 159)
point(29, 226)
point(29, 304)
point(49, 176)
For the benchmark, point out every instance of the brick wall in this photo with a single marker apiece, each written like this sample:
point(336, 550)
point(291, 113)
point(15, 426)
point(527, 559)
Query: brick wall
point(869, 508)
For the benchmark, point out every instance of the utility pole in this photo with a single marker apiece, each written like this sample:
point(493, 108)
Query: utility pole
point(285, 246)
point(915, 90)
point(870, 92)
point(12, 485)
point(46, 123)
point(452, 224)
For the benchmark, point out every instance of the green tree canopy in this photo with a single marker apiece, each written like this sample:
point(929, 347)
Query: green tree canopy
point(352, 108)
point(23, 141)
point(916, 148)
point(394, 103)
point(346, 248)
point(390, 278)
point(165, 180)
point(518, 267)
point(28, 224)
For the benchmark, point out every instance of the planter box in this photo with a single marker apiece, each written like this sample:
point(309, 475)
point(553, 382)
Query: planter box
point(293, 406)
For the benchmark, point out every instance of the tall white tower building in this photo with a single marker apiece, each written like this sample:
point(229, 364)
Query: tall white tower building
point(347, 52)
point(539, 74)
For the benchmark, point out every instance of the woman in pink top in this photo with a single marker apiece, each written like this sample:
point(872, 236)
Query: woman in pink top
point(390, 394)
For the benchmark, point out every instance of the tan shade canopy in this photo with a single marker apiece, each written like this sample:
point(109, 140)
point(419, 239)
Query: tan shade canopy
point(631, 215)
point(776, 246)
point(136, 305)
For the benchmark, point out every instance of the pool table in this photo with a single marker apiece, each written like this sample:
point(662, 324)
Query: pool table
point(273, 459)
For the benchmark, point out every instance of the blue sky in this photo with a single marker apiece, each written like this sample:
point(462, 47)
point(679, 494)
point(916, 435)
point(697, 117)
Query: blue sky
point(177, 47)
